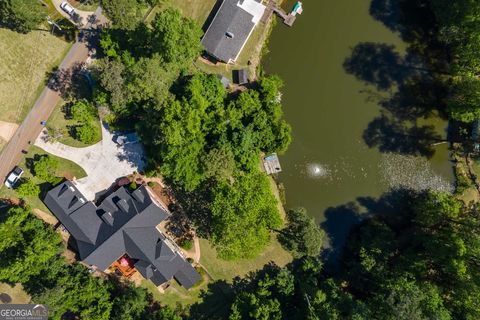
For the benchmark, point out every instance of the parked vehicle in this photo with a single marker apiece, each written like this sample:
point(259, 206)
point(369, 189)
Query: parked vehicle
point(13, 177)
point(67, 8)
point(127, 138)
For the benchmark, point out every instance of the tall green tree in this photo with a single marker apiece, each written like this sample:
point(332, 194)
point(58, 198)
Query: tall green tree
point(464, 101)
point(78, 293)
point(45, 168)
point(176, 38)
point(26, 247)
point(302, 235)
point(21, 15)
point(124, 14)
point(243, 214)
point(28, 188)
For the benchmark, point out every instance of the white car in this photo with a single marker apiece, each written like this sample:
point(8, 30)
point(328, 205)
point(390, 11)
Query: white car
point(67, 8)
point(13, 177)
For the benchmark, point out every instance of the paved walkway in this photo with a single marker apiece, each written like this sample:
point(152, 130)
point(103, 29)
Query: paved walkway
point(30, 128)
point(103, 162)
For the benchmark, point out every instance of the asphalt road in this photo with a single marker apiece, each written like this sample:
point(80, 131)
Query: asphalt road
point(31, 127)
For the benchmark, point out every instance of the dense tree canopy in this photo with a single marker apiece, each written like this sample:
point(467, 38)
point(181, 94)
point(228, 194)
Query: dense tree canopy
point(420, 263)
point(196, 132)
point(243, 214)
point(141, 64)
point(176, 38)
point(21, 15)
point(85, 114)
point(465, 99)
point(204, 124)
point(45, 168)
point(26, 246)
point(124, 14)
point(459, 23)
point(302, 235)
point(28, 188)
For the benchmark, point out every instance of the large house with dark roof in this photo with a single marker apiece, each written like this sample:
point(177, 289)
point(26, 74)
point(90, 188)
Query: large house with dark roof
point(123, 224)
point(231, 27)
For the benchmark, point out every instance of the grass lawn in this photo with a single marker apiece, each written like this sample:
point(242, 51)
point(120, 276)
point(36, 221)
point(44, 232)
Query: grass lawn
point(199, 10)
point(63, 126)
point(227, 270)
point(15, 293)
point(219, 270)
point(66, 168)
point(84, 7)
point(176, 294)
point(26, 58)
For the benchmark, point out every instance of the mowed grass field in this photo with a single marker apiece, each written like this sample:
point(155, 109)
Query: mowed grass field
point(198, 10)
point(24, 62)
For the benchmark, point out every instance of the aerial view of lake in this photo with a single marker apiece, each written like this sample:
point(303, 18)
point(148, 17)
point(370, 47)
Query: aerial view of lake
point(329, 164)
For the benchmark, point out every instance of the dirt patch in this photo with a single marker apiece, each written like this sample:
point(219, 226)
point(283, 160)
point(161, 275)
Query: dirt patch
point(68, 175)
point(161, 194)
point(7, 130)
point(13, 294)
point(46, 217)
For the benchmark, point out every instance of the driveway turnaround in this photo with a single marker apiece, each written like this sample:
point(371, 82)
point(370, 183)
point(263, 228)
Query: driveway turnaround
point(31, 126)
point(104, 162)
point(84, 16)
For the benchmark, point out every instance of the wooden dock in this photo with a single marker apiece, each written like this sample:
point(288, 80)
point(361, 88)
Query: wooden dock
point(271, 163)
point(272, 7)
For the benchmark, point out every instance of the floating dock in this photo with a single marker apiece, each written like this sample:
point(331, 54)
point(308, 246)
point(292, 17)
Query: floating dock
point(271, 163)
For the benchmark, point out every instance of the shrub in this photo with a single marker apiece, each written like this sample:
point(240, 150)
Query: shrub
point(87, 133)
point(28, 188)
point(133, 186)
point(187, 244)
point(151, 184)
point(83, 112)
point(45, 168)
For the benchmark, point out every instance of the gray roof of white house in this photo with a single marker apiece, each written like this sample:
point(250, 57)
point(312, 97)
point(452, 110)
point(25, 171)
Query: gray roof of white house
point(123, 223)
point(231, 19)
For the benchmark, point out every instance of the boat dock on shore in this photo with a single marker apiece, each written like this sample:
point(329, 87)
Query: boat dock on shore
point(288, 18)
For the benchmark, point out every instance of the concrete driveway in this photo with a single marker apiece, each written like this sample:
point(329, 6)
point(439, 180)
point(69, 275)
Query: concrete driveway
point(103, 162)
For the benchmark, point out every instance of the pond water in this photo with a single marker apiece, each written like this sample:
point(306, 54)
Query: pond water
point(329, 164)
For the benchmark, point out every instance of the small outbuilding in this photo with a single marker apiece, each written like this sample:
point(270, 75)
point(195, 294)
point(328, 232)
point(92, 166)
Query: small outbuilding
point(240, 77)
point(271, 163)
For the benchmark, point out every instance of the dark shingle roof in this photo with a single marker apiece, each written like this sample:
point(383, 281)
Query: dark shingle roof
point(231, 19)
point(122, 223)
point(240, 76)
point(187, 276)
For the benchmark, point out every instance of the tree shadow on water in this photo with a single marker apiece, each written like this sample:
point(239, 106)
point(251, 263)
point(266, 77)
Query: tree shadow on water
point(390, 135)
point(337, 226)
point(407, 86)
point(341, 220)
point(387, 12)
point(377, 64)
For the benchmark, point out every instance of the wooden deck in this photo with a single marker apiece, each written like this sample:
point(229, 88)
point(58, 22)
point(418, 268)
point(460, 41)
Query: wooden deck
point(271, 163)
point(272, 7)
